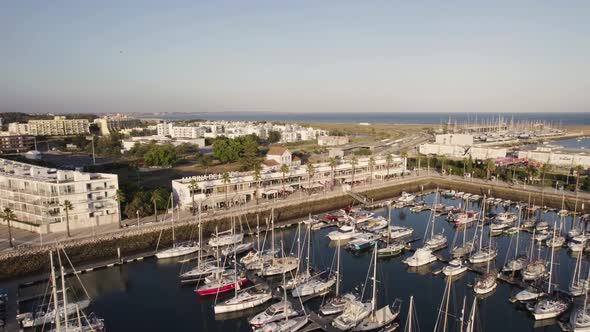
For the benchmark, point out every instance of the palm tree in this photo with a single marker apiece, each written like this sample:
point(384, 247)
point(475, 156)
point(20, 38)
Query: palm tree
point(155, 197)
point(531, 172)
point(284, 171)
point(388, 160)
point(8, 215)
point(579, 169)
point(226, 180)
point(68, 207)
point(354, 161)
point(333, 163)
point(465, 161)
point(192, 187)
point(490, 168)
point(443, 159)
point(544, 168)
point(371, 167)
point(120, 198)
point(257, 178)
point(310, 173)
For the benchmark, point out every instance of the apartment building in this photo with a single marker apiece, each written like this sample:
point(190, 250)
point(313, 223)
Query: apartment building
point(15, 143)
point(37, 195)
point(243, 187)
point(59, 126)
point(113, 124)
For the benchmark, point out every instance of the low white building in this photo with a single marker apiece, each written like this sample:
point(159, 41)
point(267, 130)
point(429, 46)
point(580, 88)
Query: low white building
point(243, 187)
point(556, 157)
point(37, 195)
point(458, 151)
point(129, 143)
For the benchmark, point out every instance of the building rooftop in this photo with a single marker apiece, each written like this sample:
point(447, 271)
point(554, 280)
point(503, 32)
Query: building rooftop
point(276, 150)
point(38, 173)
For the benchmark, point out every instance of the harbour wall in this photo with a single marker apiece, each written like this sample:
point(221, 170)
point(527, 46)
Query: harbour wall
point(85, 252)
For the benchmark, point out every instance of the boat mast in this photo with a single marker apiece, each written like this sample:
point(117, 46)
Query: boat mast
point(483, 215)
point(551, 263)
point(308, 245)
point(272, 235)
point(338, 271)
point(236, 286)
point(200, 238)
point(517, 233)
point(54, 290)
point(471, 321)
point(63, 293)
point(374, 298)
point(172, 208)
point(462, 319)
point(409, 318)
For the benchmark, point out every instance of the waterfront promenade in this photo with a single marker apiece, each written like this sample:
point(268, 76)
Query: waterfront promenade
point(27, 240)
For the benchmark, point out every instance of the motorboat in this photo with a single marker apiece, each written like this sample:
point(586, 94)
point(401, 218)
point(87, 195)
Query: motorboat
point(422, 256)
point(534, 270)
point(455, 267)
point(551, 307)
point(362, 241)
point(276, 312)
point(486, 284)
point(343, 233)
point(528, 294)
point(289, 325)
point(398, 232)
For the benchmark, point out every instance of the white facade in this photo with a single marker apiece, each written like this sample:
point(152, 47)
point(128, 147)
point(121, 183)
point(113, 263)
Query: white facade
point(129, 143)
point(243, 187)
point(59, 126)
point(457, 151)
point(37, 195)
point(454, 139)
point(169, 129)
point(113, 124)
point(18, 128)
point(557, 158)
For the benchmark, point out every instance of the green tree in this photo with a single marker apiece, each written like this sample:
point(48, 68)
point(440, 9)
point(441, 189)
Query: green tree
point(371, 167)
point(333, 163)
point(8, 216)
point(249, 155)
point(388, 160)
point(120, 198)
point(158, 197)
point(193, 187)
point(67, 208)
point(274, 136)
point(160, 155)
point(579, 169)
point(140, 203)
point(490, 168)
point(284, 171)
point(544, 168)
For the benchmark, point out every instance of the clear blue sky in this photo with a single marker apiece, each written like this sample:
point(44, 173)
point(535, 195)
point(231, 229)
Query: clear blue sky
point(290, 56)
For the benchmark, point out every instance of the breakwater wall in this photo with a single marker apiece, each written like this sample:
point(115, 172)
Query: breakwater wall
point(26, 261)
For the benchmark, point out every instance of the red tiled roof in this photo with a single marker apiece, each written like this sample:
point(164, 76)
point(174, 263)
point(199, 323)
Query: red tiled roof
point(277, 150)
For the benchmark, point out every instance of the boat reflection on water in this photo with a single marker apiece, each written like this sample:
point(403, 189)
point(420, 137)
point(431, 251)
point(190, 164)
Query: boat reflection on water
point(420, 270)
point(486, 295)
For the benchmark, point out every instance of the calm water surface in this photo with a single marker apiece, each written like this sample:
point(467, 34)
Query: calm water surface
point(147, 296)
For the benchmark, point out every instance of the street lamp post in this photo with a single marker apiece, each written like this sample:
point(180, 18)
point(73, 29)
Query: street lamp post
point(137, 213)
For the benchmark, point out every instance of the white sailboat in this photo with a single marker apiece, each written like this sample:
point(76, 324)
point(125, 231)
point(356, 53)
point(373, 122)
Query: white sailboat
point(488, 282)
point(578, 286)
point(436, 241)
point(278, 266)
point(390, 248)
point(519, 261)
point(178, 249)
point(535, 269)
point(483, 255)
point(552, 306)
point(580, 318)
point(378, 318)
point(455, 267)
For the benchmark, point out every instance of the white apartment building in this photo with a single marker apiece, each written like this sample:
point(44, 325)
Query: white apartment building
point(113, 124)
point(169, 129)
point(59, 126)
point(332, 140)
point(37, 195)
point(18, 128)
point(243, 187)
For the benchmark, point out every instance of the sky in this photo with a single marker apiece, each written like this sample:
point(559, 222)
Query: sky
point(294, 56)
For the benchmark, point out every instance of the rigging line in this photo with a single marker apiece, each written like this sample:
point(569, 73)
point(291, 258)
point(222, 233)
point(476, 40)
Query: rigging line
point(76, 273)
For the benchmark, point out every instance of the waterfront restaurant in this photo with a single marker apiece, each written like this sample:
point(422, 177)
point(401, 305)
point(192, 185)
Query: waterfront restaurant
point(243, 187)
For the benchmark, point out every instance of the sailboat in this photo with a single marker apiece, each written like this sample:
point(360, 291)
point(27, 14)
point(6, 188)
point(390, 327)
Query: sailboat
point(470, 326)
point(578, 286)
point(61, 312)
point(410, 324)
point(519, 261)
point(488, 283)
point(203, 268)
point(278, 266)
point(288, 323)
point(466, 247)
point(552, 306)
point(315, 286)
point(535, 268)
point(483, 255)
point(246, 299)
point(300, 276)
point(390, 248)
point(580, 318)
point(338, 303)
point(435, 241)
point(378, 318)
point(178, 249)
